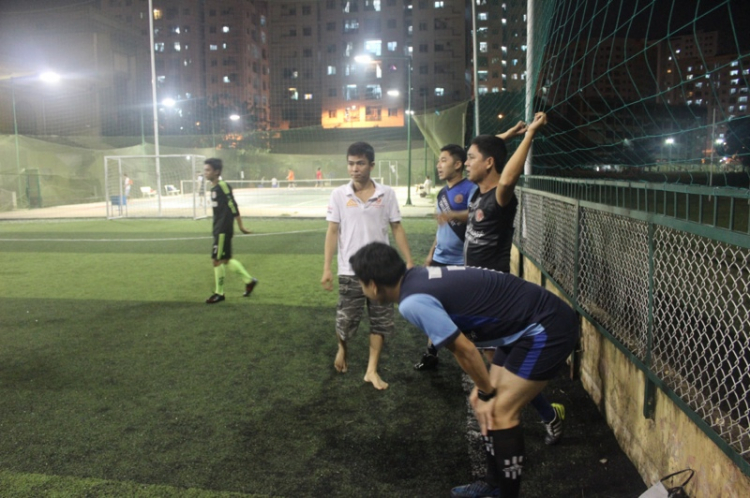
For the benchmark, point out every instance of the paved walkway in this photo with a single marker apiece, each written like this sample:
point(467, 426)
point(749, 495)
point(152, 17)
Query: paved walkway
point(303, 202)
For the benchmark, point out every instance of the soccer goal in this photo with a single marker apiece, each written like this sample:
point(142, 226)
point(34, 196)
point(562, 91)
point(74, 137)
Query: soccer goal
point(164, 186)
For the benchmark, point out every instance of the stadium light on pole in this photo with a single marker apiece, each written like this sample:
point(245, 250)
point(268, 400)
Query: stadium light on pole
point(670, 142)
point(364, 59)
point(49, 77)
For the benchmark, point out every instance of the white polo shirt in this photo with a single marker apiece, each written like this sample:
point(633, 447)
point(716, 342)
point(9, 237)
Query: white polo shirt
point(361, 222)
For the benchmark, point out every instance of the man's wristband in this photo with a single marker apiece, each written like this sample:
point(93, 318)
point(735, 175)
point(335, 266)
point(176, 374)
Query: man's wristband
point(486, 396)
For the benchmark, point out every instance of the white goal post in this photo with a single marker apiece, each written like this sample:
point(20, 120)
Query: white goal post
point(164, 186)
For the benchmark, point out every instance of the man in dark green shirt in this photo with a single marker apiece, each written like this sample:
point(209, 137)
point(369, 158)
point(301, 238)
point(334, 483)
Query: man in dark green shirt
point(225, 212)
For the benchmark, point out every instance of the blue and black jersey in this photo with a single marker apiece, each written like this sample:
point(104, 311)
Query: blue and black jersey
point(225, 208)
point(489, 232)
point(491, 308)
point(449, 249)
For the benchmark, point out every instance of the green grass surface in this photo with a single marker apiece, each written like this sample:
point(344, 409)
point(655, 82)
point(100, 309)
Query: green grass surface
point(116, 379)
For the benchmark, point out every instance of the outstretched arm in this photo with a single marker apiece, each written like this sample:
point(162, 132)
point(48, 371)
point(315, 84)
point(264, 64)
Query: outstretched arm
point(399, 235)
point(239, 224)
point(332, 238)
point(517, 129)
point(514, 167)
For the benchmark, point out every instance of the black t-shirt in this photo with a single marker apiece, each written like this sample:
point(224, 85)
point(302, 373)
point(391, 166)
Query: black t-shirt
point(489, 232)
point(225, 208)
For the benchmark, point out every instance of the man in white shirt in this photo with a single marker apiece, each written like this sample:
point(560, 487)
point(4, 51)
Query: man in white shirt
point(360, 212)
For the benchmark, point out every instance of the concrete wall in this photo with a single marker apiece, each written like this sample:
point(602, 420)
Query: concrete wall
point(669, 442)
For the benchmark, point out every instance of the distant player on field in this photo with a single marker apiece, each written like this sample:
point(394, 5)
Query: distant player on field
point(225, 212)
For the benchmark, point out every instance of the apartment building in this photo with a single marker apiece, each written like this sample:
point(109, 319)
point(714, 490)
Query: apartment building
point(211, 59)
point(501, 46)
point(320, 76)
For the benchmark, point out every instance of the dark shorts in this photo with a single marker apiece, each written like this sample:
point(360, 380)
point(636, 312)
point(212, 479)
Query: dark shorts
point(539, 357)
point(222, 247)
point(351, 305)
point(438, 263)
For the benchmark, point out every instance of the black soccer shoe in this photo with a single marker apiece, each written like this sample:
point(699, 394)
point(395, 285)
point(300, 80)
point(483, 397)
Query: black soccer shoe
point(428, 362)
point(249, 287)
point(215, 298)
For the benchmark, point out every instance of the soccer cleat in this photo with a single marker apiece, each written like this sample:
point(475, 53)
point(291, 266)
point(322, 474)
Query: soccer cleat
point(476, 489)
point(249, 287)
point(428, 362)
point(215, 298)
point(555, 427)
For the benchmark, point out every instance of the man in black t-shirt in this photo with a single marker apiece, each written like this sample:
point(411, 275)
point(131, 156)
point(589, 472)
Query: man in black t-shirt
point(492, 208)
point(225, 212)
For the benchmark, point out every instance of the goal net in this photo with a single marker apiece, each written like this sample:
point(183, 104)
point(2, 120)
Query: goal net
point(164, 186)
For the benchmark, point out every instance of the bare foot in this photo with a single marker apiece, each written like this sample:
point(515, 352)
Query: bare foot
point(376, 381)
point(340, 362)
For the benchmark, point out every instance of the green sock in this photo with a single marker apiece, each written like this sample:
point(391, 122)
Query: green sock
point(219, 274)
point(237, 267)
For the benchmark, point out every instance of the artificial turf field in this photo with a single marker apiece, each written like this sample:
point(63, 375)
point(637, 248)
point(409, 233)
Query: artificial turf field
point(116, 379)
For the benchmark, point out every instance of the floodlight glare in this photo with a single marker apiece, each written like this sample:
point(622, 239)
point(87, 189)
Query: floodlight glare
point(49, 77)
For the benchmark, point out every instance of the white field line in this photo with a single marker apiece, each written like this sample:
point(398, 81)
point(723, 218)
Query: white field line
point(203, 237)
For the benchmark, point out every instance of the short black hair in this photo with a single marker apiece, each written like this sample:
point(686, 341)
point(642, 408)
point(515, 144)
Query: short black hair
point(358, 149)
point(456, 151)
point(379, 263)
point(492, 146)
point(215, 163)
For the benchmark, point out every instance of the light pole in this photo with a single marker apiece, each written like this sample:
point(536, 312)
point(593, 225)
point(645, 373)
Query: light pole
point(407, 121)
point(669, 142)
point(47, 77)
point(15, 134)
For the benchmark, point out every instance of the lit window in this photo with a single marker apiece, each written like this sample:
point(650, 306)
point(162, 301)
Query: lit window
point(482, 90)
point(439, 92)
point(373, 47)
point(742, 99)
point(483, 16)
point(332, 114)
point(439, 4)
point(308, 96)
point(157, 14)
point(176, 30)
point(495, 89)
point(225, 29)
point(293, 94)
point(483, 47)
point(213, 47)
point(742, 108)
point(226, 79)
point(331, 70)
point(159, 47)
point(392, 46)
point(734, 72)
point(177, 46)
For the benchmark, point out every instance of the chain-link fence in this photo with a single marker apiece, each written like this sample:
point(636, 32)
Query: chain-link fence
point(673, 294)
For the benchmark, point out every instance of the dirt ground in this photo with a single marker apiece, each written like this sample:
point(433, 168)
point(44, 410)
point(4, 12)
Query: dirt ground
point(586, 463)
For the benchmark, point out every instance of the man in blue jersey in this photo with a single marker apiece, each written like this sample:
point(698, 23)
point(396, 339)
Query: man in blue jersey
point(463, 308)
point(225, 213)
point(452, 200)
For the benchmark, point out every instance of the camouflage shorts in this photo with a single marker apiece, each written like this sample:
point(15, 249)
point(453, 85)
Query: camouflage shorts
point(349, 311)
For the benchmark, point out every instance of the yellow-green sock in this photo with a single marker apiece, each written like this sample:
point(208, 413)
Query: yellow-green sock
point(219, 274)
point(237, 267)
